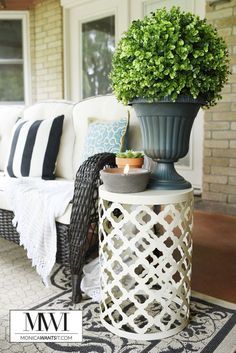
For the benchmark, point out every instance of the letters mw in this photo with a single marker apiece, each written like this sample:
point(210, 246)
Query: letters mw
point(44, 321)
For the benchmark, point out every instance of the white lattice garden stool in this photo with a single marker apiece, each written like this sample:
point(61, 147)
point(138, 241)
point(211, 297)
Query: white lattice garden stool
point(145, 258)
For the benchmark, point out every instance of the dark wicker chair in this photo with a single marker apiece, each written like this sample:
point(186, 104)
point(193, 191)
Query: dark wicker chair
point(84, 216)
point(74, 241)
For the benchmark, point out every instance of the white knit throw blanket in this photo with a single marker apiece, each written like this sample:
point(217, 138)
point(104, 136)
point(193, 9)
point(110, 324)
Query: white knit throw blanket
point(36, 204)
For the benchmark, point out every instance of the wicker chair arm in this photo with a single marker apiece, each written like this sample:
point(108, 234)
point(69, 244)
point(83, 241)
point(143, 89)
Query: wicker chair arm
point(85, 211)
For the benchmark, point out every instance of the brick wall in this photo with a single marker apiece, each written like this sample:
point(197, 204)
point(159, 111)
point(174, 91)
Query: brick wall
point(46, 31)
point(219, 180)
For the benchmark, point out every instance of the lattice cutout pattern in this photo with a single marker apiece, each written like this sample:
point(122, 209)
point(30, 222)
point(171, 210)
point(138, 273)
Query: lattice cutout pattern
point(145, 257)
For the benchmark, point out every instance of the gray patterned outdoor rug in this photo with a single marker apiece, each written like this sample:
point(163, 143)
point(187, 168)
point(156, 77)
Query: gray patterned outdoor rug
point(212, 327)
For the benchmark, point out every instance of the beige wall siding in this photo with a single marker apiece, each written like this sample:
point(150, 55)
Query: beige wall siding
point(219, 180)
point(47, 50)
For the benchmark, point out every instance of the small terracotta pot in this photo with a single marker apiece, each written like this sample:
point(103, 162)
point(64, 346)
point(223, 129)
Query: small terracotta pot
point(132, 162)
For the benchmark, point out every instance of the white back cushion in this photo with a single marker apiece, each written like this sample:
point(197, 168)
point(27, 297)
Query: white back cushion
point(8, 117)
point(52, 109)
point(102, 108)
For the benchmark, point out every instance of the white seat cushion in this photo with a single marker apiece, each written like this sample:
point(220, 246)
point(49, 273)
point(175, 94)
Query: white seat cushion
point(64, 219)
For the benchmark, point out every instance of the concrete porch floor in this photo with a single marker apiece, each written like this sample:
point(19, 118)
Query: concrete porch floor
point(214, 255)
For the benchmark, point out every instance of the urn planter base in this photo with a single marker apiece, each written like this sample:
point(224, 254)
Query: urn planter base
point(165, 177)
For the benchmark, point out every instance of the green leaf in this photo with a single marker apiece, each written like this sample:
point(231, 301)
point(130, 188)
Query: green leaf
point(130, 154)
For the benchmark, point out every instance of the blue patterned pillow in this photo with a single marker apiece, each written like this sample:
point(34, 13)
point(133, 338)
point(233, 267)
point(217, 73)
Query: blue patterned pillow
point(105, 136)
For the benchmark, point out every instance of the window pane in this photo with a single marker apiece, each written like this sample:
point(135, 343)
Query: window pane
point(10, 39)
point(11, 83)
point(98, 44)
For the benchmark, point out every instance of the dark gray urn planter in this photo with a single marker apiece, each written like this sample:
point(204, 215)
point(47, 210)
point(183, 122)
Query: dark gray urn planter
point(166, 128)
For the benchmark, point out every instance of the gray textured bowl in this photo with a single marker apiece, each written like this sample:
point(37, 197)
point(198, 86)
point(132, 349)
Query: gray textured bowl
point(115, 180)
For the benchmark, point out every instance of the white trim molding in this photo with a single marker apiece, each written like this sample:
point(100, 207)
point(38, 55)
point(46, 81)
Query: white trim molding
point(216, 2)
point(71, 3)
point(80, 12)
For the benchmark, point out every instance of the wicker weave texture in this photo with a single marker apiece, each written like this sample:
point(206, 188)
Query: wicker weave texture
point(84, 216)
point(8, 231)
point(85, 207)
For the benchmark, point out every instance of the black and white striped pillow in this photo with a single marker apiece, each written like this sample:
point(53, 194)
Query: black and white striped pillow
point(34, 148)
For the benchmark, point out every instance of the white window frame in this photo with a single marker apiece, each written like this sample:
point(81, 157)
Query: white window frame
point(24, 16)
